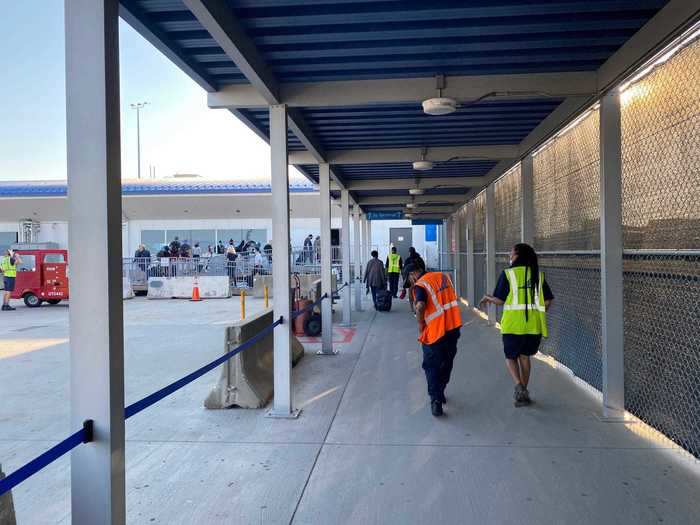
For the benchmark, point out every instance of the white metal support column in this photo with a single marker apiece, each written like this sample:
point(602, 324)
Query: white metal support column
point(369, 239)
point(458, 233)
point(358, 258)
point(527, 203)
point(94, 202)
point(365, 242)
point(324, 184)
point(491, 247)
point(345, 249)
point(282, 404)
point(470, 255)
point(611, 244)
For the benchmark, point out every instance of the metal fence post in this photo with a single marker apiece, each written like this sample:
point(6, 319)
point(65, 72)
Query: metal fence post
point(345, 253)
point(491, 247)
point(95, 240)
point(611, 244)
point(358, 258)
point(324, 176)
point(527, 203)
point(458, 250)
point(470, 255)
point(282, 403)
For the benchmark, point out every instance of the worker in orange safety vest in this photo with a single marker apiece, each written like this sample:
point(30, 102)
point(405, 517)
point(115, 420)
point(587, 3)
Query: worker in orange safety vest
point(439, 323)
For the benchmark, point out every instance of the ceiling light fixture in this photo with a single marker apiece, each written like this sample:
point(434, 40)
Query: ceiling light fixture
point(439, 105)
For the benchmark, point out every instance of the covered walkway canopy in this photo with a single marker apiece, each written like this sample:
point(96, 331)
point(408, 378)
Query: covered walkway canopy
point(338, 89)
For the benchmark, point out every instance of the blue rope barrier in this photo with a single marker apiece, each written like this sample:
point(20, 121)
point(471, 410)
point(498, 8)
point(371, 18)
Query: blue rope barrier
point(149, 400)
point(84, 435)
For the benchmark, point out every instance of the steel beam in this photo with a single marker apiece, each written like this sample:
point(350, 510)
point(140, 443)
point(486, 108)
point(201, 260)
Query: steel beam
point(470, 256)
point(424, 183)
point(394, 155)
point(527, 203)
point(491, 247)
point(611, 245)
point(418, 199)
point(282, 335)
point(95, 227)
point(357, 257)
point(360, 92)
point(345, 250)
point(326, 260)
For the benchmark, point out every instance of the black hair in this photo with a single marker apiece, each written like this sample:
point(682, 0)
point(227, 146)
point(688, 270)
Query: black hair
point(374, 253)
point(525, 256)
point(393, 249)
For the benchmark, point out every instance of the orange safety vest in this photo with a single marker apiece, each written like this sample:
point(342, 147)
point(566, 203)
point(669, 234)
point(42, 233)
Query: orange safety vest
point(442, 308)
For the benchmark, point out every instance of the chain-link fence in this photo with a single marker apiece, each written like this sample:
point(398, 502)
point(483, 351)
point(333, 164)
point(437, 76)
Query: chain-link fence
point(507, 209)
point(661, 216)
point(662, 343)
point(660, 119)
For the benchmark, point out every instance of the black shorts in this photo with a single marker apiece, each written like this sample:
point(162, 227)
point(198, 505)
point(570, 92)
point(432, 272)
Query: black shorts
point(516, 345)
point(9, 284)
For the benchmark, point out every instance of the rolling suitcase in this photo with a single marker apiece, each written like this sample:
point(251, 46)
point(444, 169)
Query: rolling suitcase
point(383, 300)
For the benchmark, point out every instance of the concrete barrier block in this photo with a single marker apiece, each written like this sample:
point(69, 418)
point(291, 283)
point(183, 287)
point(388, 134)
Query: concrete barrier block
point(247, 378)
point(210, 287)
point(127, 291)
point(7, 508)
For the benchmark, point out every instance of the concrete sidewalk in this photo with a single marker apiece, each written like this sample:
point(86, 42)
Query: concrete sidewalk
point(387, 460)
point(365, 450)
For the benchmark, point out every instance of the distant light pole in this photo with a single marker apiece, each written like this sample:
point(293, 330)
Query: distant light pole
point(138, 107)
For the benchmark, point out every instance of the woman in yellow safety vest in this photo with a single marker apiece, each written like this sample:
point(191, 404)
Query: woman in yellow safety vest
point(525, 297)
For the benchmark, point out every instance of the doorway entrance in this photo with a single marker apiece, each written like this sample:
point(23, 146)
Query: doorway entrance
point(402, 238)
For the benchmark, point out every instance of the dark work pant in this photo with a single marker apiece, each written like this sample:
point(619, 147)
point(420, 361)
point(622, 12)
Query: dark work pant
point(394, 283)
point(437, 363)
point(374, 289)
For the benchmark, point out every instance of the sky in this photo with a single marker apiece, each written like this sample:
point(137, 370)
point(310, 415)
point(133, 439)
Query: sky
point(179, 134)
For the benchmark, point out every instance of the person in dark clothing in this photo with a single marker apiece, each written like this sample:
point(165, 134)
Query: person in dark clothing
point(175, 247)
point(142, 256)
point(240, 246)
point(413, 259)
point(394, 264)
point(375, 279)
point(308, 248)
point(162, 267)
point(267, 249)
point(220, 248)
point(526, 297)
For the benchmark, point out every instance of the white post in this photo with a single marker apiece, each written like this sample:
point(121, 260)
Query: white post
point(611, 244)
point(95, 241)
point(491, 247)
point(282, 405)
point(369, 239)
point(365, 240)
point(527, 203)
point(324, 183)
point(470, 256)
point(458, 233)
point(358, 259)
point(345, 252)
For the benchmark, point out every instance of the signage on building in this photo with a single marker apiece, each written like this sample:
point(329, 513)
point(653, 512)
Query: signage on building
point(384, 215)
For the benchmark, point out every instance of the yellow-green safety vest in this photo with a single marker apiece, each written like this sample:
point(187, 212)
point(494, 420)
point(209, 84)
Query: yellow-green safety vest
point(513, 320)
point(8, 269)
point(394, 263)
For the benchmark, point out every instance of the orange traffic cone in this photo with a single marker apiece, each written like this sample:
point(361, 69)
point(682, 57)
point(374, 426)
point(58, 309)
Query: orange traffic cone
point(195, 291)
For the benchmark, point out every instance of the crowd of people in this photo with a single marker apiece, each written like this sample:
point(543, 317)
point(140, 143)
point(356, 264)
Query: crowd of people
point(521, 290)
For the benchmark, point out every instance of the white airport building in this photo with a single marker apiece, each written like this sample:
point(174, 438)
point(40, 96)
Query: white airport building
point(198, 210)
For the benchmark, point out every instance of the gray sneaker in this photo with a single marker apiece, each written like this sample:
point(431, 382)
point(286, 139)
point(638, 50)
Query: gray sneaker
point(520, 396)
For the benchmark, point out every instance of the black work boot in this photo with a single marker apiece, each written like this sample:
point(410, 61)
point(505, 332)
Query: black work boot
point(520, 396)
point(436, 408)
